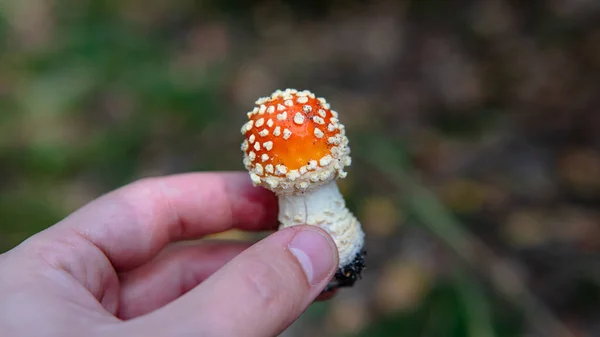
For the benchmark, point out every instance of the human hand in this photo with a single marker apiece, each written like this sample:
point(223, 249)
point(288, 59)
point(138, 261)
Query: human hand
point(111, 268)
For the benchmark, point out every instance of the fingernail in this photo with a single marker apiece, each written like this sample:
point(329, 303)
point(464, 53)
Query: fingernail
point(315, 254)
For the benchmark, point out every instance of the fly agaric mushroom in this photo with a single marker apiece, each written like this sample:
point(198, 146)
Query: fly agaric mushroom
point(296, 147)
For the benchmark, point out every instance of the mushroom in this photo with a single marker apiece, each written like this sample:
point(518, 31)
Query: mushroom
point(296, 147)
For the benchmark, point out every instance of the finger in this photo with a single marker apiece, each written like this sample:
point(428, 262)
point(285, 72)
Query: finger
point(132, 224)
point(258, 293)
point(172, 274)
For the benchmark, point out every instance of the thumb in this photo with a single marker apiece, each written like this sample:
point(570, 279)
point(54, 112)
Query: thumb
point(258, 293)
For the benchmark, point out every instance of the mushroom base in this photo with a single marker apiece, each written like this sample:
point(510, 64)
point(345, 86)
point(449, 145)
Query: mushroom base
point(347, 275)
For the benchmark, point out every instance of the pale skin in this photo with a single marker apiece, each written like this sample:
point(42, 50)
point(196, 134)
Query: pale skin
point(113, 267)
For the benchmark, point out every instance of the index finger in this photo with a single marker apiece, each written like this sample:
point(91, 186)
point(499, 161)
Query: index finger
point(132, 224)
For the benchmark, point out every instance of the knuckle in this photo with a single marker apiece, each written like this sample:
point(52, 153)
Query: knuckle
point(141, 188)
point(145, 191)
point(272, 285)
point(265, 283)
point(51, 253)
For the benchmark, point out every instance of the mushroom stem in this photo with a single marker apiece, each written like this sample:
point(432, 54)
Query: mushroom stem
point(324, 206)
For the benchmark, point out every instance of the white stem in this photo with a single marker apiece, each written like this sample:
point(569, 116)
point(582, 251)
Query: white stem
point(324, 207)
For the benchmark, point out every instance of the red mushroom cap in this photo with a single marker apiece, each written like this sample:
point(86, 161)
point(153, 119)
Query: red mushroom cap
point(294, 141)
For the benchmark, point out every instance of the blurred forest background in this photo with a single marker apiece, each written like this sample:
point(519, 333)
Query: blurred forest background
point(474, 127)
